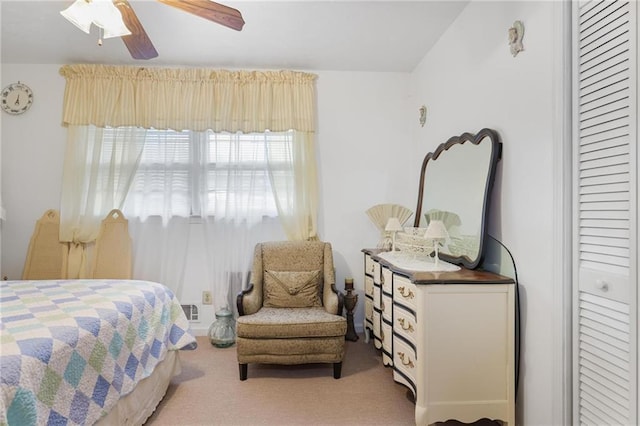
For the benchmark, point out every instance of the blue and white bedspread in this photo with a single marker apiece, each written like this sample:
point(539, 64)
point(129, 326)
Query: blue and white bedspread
point(70, 349)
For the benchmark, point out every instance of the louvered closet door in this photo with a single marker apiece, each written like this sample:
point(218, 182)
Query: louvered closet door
point(606, 176)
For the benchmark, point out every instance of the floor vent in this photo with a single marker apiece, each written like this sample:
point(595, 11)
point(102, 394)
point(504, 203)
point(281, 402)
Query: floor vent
point(191, 311)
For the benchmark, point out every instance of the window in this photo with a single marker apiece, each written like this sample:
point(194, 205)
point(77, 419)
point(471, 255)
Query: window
point(187, 173)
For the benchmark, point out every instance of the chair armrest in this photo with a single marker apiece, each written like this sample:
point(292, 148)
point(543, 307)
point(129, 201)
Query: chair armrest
point(332, 298)
point(240, 297)
point(340, 298)
point(249, 301)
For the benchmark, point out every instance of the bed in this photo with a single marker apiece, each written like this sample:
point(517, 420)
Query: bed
point(87, 351)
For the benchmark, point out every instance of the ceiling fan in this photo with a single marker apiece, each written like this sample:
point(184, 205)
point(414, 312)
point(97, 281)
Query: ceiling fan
point(138, 42)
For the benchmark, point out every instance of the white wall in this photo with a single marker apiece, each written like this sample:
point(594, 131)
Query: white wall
point(361, 120)
point(468, 81)
point(363, 141)
point(32, 155)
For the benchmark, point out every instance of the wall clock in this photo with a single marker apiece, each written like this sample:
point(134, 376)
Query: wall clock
point(16, 98)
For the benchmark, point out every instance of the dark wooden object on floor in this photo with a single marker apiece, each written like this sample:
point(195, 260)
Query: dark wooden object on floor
point(350, 301)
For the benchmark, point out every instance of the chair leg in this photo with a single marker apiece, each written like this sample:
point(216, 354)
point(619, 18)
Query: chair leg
point(243, 371)
point(337, 370)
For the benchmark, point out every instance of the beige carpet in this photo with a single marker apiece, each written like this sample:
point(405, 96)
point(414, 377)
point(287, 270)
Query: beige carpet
point(209, 392)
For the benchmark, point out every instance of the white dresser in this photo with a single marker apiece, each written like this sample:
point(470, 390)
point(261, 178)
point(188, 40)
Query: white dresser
point(449, 337)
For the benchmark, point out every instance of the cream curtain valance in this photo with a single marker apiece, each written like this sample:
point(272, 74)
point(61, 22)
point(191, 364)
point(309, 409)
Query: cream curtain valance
point(194, 99)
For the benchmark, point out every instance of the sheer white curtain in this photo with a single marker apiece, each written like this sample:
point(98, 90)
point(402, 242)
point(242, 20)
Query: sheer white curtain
point(292, 172)
point(206, 194)
point(159, 206)
point(160, 250)
point(99, 166)
point(238, 206)
point(229, 245)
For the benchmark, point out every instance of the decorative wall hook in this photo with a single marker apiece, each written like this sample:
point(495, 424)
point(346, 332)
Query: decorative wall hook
point(423, 115)
point(516, 32)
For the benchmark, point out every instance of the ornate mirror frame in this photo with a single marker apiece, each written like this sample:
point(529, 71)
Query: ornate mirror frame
point(453, 159)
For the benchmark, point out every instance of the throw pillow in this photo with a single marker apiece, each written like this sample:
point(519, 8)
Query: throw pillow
point(292, 289)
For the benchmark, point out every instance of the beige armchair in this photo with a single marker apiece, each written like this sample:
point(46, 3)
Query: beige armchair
point(292, 312)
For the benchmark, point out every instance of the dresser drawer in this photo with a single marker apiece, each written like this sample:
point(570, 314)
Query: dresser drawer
point(386, 280)
point(368, 285)
point(404, 323)
point(376, 272)
point(387, 337)
point(386, 307)
point(400, 378)
point(368, 264)
point(404, 292)
point(387, 344)
point(404, 359)
point(368, 309)
point(377, 332)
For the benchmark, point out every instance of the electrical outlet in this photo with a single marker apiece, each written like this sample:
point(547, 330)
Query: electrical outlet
point(206, 298)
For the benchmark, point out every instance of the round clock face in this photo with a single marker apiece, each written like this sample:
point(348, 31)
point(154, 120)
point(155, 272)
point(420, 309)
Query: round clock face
point(16, 98)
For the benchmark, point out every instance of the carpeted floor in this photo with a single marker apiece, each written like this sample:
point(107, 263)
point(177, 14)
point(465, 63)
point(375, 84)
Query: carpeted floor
point(209, 392)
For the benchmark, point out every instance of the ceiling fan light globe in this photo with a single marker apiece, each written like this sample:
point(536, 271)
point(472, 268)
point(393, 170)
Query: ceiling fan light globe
point(107, 16)
point(115, 31)
point(79, 14)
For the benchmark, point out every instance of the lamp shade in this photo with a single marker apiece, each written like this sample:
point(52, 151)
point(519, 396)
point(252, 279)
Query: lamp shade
point(393, 225)
point(436, 231)
point(79, 14)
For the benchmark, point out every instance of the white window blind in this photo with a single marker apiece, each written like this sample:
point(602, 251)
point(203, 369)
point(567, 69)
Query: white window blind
point(211, 174)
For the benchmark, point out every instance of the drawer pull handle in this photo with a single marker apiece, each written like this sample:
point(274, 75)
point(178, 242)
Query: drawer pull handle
point(406, 293)
point(406, 325)
point(402, 357)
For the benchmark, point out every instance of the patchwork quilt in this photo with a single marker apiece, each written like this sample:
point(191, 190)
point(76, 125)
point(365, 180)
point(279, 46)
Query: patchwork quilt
point(70, 349)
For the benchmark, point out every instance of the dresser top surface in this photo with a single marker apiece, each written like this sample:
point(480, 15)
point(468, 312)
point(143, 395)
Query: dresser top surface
point(462, 276)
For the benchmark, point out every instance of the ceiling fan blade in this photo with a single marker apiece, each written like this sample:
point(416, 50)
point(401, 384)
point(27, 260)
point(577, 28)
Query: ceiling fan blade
point(216, 12)
point(137, 42)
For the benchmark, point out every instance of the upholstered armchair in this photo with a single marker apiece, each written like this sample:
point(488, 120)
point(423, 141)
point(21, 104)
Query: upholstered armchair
point(292, 312)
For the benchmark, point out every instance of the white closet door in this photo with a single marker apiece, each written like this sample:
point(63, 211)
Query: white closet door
point(605, 220)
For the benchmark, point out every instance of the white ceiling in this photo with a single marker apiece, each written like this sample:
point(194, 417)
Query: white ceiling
point(301, 34)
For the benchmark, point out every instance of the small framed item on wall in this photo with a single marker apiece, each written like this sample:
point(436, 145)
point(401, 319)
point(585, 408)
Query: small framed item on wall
point(16, 98)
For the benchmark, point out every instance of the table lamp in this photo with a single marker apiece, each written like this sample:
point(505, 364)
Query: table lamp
point(393, 226)
point(437, 232)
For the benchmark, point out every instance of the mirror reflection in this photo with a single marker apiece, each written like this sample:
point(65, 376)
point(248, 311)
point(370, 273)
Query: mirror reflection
point(455, 185)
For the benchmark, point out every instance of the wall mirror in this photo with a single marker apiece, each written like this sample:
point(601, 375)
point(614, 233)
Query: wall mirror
point(455, 186)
